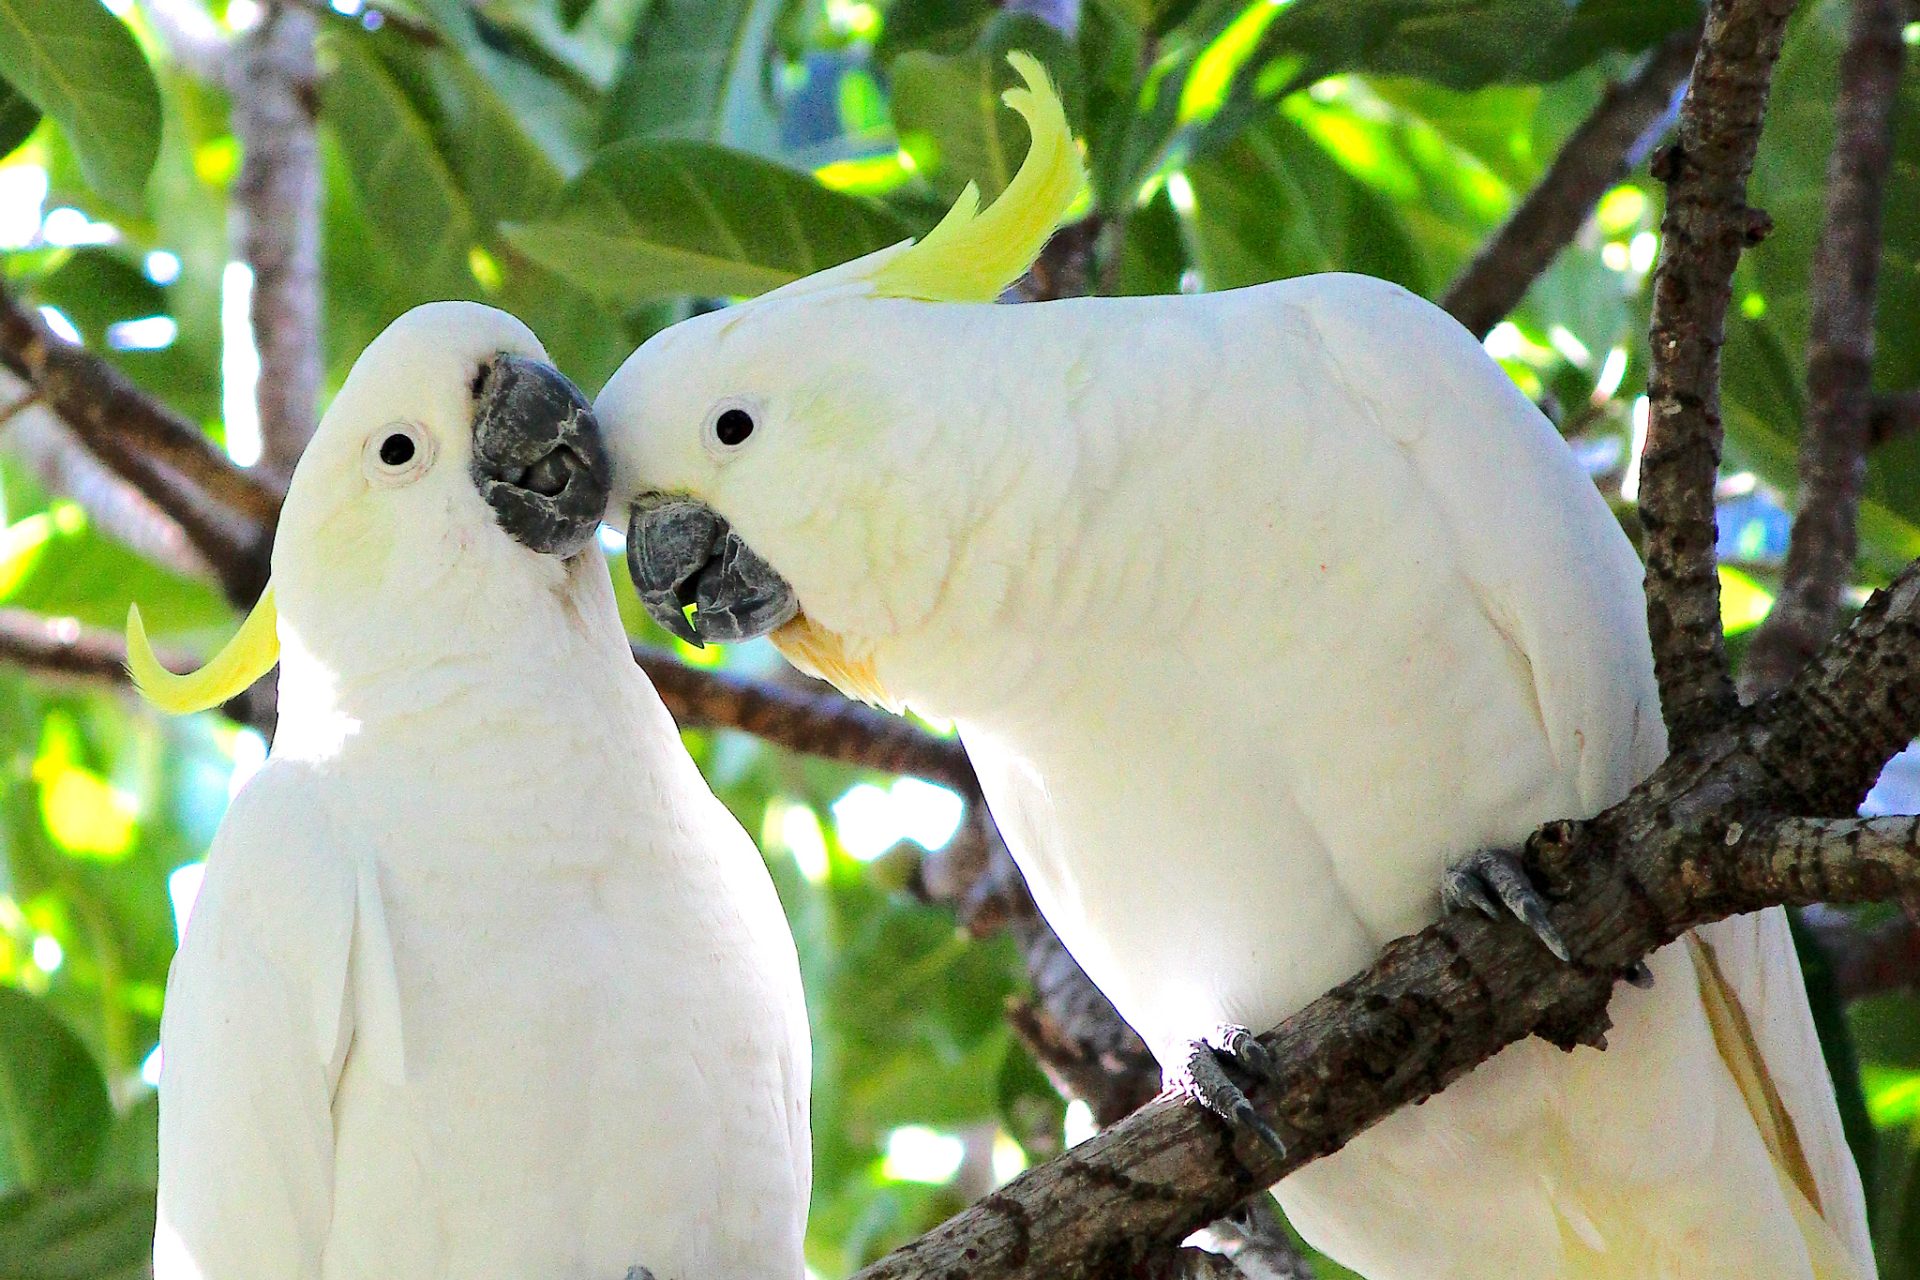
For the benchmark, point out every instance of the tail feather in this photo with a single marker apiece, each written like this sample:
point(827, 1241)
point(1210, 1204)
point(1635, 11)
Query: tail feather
point(1756, 1004)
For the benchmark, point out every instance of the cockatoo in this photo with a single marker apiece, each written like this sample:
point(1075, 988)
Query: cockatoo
point(483, 981)
point(1268, 618)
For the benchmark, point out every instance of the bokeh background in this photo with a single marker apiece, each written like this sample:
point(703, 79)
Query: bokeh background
point(602, 168)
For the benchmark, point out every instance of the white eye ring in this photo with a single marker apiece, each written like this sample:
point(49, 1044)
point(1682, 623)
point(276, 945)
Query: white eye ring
point(731, 424)
point(398, 453)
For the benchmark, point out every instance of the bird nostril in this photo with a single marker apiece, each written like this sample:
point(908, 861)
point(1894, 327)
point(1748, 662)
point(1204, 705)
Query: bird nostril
point(550, 474)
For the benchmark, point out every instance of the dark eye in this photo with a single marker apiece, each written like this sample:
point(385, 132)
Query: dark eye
point(396, 450)
point(733, 426)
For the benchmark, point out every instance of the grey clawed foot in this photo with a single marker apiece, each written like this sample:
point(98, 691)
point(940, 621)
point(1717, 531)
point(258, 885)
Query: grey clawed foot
point(1489, 880)
point(1205, 1078)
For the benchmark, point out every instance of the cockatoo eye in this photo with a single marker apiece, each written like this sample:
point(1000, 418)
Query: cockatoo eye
point(730, 425)
point(398, 453)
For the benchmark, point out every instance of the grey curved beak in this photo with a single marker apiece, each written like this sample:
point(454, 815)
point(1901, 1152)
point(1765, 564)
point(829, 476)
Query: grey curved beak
point(682, 552)
point(538, 458)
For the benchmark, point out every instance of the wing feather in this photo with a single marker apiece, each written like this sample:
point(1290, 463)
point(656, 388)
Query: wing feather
point(258, 1024)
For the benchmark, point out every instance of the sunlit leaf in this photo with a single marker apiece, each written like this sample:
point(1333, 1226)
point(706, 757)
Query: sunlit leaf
point(54, 1112)
point(78, 64)
point(656, 219)
point(1274, 204)
point(1743, 601)
point(1465, 45)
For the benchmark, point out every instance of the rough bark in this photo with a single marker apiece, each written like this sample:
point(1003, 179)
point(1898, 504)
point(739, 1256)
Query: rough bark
point(1436, 1004)
point(1596, 157)
point(1838, 431)
point(276, 212)
point(1706, 225)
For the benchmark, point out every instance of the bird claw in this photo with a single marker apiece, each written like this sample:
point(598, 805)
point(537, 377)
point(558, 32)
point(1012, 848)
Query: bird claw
point(1494, 883)
point(1204, 1078)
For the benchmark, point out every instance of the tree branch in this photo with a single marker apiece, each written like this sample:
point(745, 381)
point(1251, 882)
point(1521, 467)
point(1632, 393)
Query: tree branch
point(276, 210)
point(62, 648)
point(1596, 157)
point(1664, 861)
point(1837, 436)
point(1706, 225)
point(817, 724)
point(227, 514)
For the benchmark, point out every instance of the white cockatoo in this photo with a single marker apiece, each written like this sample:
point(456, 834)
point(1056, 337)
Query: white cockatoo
point(483, 981)
point(1263, 615)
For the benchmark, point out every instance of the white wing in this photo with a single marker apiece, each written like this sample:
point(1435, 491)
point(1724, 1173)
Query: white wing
point(259, 1018)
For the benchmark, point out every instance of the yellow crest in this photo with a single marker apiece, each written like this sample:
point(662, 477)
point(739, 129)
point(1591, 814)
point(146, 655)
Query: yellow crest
point(248, 656)
point(974, 254)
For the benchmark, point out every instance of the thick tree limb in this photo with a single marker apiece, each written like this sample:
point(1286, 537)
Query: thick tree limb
point(1837, 434)
point(1436, 1004)
point(1706, 225)
point(819, 724)
point(275, 88)
point(226, 514)
point(1895, 414)
point(1596, 157)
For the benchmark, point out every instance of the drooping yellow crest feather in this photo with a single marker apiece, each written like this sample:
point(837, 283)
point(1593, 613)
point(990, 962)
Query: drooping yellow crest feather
point(974, 254)
point(248, 656)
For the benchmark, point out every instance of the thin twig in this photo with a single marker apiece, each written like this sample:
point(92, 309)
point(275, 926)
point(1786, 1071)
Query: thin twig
point(1836, 437)
point(1707, 224)
point(1595, 158)
point(275, 89)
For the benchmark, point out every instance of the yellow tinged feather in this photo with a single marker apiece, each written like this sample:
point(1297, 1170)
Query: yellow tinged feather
point(974, 254)
point(823, 654)
point(1733, 1036)
point(248, 656)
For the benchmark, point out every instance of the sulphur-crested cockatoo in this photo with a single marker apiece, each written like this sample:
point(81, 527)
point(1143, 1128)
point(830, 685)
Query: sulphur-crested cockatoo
point(1262, 614)
point(483, 981)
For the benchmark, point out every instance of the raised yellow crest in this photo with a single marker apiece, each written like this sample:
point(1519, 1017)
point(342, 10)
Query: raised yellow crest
point(974, 253)
point(248, 656)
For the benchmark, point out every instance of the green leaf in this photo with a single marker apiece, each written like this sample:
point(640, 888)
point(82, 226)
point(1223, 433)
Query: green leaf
point(1468, 43)
point(18, 118)
point(657, 219)
point(102, 1233)
point(948, 113)
point(417, 210)
point(77, 63)
point(1274, 204)
point(56, 563)
point(692, 69)
point(130, 1157)
point(54, 1112)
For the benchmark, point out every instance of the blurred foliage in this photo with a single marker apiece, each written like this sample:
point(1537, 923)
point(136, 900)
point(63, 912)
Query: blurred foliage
point(601, 166)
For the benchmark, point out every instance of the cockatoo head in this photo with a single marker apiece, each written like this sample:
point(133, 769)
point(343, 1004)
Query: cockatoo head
point(454, 469)
point(756, 449)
